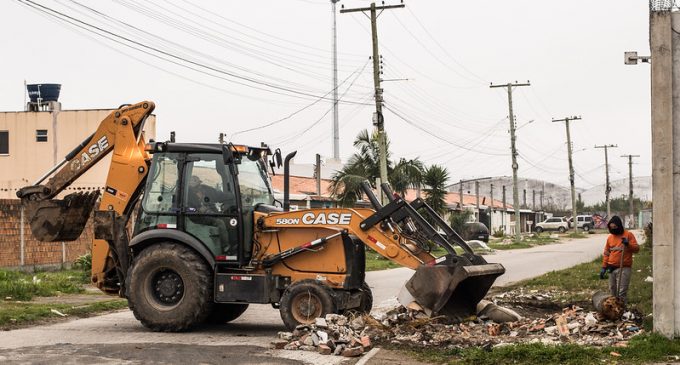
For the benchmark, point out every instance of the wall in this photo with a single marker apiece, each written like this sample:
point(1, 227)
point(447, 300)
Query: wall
point(35, 253)
point(28, 160)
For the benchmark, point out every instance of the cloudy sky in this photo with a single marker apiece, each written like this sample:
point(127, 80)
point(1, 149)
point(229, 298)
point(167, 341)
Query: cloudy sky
point(265, 66)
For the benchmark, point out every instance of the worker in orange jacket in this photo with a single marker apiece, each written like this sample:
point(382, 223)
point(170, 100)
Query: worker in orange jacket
point(617, 257)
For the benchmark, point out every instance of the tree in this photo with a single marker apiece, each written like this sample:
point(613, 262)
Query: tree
point(365, 165)
point(435, 179)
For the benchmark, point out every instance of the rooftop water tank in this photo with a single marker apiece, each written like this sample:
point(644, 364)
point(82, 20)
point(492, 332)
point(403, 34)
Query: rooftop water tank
point(46, 92)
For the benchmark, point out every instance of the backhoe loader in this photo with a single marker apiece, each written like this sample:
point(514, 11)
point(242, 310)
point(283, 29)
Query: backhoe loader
point(191, 233)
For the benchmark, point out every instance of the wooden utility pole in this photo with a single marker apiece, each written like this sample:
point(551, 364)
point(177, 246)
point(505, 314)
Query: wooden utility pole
point(378, 120)
point(460, 191)
point(571, 167)
point(491, 196)
point(515, 166)
point(631, 207)
point(607, 187)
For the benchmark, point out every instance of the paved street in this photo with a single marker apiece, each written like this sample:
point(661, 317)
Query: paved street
point(119, 338)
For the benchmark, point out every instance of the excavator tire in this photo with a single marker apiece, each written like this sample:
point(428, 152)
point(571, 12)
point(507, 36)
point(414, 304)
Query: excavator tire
point(366, 302)
point(366, 299)
point(169, 288)
point(304, 301)
point(225, 312)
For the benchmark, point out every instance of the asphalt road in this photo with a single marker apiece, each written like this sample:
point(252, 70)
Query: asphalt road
point(119, 338)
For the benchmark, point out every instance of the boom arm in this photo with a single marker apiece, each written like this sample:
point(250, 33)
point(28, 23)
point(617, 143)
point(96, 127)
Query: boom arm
point(112, 131)
point(121, 132)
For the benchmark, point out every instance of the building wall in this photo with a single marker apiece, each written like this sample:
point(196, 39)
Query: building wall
point(35, 253)
point(28, 160)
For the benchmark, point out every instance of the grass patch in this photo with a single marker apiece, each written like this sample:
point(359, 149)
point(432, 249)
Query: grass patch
point(526, 242)
point(573, 234)
point(23, 286)
point(641, 349)
point(13, 314)
point(375, 261)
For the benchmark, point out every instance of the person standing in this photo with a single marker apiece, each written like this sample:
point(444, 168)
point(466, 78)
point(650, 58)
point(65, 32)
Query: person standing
point(617, 258)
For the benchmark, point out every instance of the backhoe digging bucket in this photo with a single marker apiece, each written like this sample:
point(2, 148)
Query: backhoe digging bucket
point(60, 220)
point(452, 288)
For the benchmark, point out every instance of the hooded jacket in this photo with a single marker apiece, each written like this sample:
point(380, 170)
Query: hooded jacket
point(611, 257)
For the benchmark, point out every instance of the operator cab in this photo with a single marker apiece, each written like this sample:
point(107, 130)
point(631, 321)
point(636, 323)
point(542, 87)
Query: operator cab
point(209, 193)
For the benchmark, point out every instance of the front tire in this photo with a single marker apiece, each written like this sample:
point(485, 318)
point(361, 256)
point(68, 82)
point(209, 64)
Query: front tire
point(539, 229)
point(305, 301)
point(169, 288)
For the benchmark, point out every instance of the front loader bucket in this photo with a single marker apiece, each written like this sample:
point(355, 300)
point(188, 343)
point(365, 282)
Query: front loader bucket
point(452, 288)
point(60, 220)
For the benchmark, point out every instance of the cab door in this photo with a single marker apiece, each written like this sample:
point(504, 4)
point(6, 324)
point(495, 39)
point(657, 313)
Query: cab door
point(210, 205)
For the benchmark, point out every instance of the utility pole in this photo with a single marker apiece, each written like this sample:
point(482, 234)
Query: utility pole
point(571, 167)
point(505, 206)
point(515, 166)
point(631, 208)
point(317, 174)
point(491, 196)
point(477, 200)
point(533, 199)
point(336, 123)
point(378, 120)
point(607, 187)
point(460, 191)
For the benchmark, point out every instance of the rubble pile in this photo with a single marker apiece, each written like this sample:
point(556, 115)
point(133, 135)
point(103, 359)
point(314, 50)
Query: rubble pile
point(333, 335)
point(544, 320)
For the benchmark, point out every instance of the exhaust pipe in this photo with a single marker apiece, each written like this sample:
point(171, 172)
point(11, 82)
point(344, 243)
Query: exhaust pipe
point(286, 180)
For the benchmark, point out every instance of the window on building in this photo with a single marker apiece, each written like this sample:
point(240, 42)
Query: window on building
point(41, 135)
point(4, 143)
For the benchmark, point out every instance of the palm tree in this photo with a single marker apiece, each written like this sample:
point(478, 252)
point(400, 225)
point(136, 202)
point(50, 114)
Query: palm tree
point(365, 165)
point(435, 179)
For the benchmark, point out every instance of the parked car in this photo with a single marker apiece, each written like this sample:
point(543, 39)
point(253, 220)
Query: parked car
point(553, 224)
point(584, 222)
point(475, 231)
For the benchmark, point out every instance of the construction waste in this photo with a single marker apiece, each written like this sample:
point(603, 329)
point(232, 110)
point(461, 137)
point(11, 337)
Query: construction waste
point(497, 323)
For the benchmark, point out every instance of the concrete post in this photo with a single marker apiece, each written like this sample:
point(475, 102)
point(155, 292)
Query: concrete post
point(664, 202)
point(22, 239)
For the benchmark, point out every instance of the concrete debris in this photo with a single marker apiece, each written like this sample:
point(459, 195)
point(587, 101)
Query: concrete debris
point(649, 279)
point(544, 320)
point(333, 335)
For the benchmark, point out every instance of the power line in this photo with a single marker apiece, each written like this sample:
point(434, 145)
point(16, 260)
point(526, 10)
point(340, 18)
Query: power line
point(89, 27)
point(303, 108)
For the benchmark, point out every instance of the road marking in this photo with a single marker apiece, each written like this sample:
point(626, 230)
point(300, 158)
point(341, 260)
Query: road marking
point(368, 356)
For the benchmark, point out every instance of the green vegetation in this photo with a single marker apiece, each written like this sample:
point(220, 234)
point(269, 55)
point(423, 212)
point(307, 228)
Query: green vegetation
point(578, 283)
point(526, 242)
point(641, 349)
point(435, 179)
point(13, 314)
point(15, 285)
point(365, 165)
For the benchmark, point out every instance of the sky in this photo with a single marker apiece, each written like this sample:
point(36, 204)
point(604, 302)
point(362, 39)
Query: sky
point(262, 72)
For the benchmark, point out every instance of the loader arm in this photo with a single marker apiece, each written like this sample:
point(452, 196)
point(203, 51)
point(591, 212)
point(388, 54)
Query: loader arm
point(121, 132)
point(451, 284)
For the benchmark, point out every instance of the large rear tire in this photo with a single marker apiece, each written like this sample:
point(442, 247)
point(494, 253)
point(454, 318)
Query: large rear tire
point(225, 312)
point(562, 229)
point(305, 301)
point(169, 288)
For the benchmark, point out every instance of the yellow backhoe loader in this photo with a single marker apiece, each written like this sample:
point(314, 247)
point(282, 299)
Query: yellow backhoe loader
point(190, 233)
